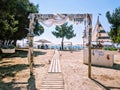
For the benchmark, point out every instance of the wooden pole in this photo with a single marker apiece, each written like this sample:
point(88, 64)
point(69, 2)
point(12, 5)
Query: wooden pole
point(30, 53)
point(89, 58)
point(31, 35)
point(89, 45)
point(31, 57)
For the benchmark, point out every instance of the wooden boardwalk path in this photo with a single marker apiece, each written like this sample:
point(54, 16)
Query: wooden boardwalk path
point(55, 63)
point(54, 79)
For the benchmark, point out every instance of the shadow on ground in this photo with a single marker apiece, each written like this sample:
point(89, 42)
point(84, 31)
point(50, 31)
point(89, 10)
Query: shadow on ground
point(9, 71)
point(115, 66)
point(31, 83)
point(101, 85)
point(21, 53)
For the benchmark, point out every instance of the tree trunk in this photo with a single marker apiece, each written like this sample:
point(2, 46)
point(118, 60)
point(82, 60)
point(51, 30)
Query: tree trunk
point(119, 50)
point(62, 43)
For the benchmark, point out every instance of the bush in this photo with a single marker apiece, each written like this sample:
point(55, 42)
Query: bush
point(105, 48)
point(8, 47)
point(110, 48)
point(113, 49)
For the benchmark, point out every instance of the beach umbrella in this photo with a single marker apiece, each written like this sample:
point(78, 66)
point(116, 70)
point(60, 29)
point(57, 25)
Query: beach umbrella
point(43, 41)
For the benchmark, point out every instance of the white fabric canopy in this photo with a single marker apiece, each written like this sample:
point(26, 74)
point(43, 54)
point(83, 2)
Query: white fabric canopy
point(57, 19)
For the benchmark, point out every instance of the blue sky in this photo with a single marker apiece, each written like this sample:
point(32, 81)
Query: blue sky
point(75, 7)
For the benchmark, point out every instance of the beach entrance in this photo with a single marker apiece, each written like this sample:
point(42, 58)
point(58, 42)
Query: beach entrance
point(59, 19)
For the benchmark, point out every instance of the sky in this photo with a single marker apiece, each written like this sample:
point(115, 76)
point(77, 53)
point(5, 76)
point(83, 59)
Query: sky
point(75, 7)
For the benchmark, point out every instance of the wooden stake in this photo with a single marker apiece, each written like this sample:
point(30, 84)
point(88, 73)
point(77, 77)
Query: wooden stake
point(89, 58)
point(31, 54)
point(31, 35)
point(89, 45)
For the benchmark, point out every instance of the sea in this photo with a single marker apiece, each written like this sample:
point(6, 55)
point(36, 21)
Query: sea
point(73, 47)
point(49, 46)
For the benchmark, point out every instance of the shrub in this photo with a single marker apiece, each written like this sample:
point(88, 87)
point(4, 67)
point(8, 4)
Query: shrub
point(110, 48)
point(8, 47)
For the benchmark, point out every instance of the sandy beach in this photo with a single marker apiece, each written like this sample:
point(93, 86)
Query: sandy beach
point(74, 71)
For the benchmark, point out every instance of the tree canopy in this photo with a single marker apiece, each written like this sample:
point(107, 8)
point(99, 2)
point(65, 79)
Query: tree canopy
point(64, 31)
point(14, 19)
point(114, 20)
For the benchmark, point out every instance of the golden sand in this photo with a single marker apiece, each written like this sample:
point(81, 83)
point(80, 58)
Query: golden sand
point(74, 72)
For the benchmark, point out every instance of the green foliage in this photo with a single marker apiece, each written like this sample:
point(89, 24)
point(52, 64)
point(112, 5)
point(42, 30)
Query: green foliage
point(9, 26)
point(114, 20)
point(110, 48)
point(14, 19)
point(8, 47)
point(23, 8)
point(38, 29)
point(64, 31)
point(118, 35)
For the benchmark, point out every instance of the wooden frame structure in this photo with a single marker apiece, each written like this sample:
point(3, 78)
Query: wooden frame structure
point(78, 18)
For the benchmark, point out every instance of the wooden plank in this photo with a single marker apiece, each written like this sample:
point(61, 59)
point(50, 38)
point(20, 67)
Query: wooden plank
point(51, 65)
point(54, 79)
point(52, 83)
point(53, 68)
point(59, 69)
point(55, 64)
point(51, 89)
point(54, 75)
